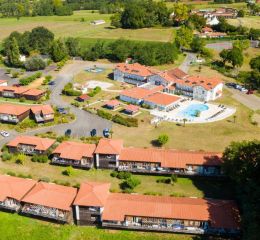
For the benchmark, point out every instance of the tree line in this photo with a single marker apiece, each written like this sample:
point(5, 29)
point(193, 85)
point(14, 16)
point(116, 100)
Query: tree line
point(21, 8)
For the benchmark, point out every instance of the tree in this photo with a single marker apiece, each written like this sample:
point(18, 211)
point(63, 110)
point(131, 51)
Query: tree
point(12, 52)
point(197, 44)
point(184, 37)
point(41, 39)
point(163, 139)
point(241, 163)
point(254, 34)
point(180, 12)
point(234, 118)
point(58, 51)
point(184, 122)
point(224, 55)
point(241, 44)
point(73, 46)
point(130, 183)
point(241, 13)
point(235, 57)
point(196, 21)
point(116, 20)
point(255, 63)
point(34, 63)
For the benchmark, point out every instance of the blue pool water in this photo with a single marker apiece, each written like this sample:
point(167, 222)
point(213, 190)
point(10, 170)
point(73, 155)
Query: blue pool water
point(191, 111)
point(95, 70)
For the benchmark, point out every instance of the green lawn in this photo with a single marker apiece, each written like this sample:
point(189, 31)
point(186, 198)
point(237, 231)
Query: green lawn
point(15, 227)
point(250, 22)
point(65, 26)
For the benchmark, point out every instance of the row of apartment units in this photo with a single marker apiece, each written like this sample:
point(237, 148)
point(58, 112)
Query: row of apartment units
point(21, 92)
point(173, 81)
point(16, 113)
point(111, 154)
point(93, 204)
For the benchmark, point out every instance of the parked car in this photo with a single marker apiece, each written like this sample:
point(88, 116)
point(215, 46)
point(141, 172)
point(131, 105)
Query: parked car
point(250, 92)
point(5, 134)
point(68, 133)
point(51, 83)
point(243, 89)
point(16, 85)
point(93, 132)
point(62, 110)
point(106, 132)
point(231, 85)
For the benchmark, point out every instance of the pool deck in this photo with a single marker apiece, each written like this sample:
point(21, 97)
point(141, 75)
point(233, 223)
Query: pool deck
point(214, 113)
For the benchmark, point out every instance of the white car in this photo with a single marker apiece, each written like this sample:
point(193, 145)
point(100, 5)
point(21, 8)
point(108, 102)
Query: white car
point(5, 134)
point(243, 90)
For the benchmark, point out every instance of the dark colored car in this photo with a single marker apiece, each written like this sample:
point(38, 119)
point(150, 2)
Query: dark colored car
point(93, 132)
point(250, 92)
point(231, 85)
point(68, 133)
point(51, 83)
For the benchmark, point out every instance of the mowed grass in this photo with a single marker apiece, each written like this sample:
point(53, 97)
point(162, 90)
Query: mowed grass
point(66, 26)
point(249, 22)
point(15, 227)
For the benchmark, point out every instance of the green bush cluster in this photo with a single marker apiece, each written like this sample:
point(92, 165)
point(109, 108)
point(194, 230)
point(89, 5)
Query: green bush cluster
point(68, 171)
point(47, 80)
point(129, 184)
point(121, 175)
point(172, 179)
point(104, 114)
point(69, 91)
point(129, 122)
point(40, 158)
point(6, 156)
point(95, 91)
point(27, 80)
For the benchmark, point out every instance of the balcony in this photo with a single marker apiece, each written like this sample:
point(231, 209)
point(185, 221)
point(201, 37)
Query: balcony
point(10, 204)
point(74, 163)
point(46, 212)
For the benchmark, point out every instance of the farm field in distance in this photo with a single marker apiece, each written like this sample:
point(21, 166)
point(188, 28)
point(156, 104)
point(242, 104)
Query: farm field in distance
point(74, 26)
point(17, 227)
point(249, 22)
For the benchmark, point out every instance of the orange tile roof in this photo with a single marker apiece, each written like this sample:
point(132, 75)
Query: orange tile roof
point(109, 146)
point(13, 109)
point(136, 92)
point(136, 69)
point(51, 195)
point(162, 99)
point(75, 150)
point(220, 213)
point(170, 158)
point(113, 103)
point(34, 92)
point(44, 109)
point(92, 194)
point(131, 108)
point(84, 96)
point(207, 29)
point(176, 72)
point(17, 90)
point(14, 187)
point(41, 144)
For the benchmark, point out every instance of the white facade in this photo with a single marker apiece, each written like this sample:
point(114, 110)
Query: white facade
point(129, 78)
point(130, 100)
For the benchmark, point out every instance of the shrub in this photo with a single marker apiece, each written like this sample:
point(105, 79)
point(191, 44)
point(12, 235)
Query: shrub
point(11, 173)
point(27, 80)
point(104, 114)
point(40, 158)
point(35, 63)
point(15, 74)
point(22, 99)
point(129, 122)
point(163, 139)
point(164, 180)
point(114, 174)
point(47, 80)
point(20, 159)
point(68, 171)
point(4, 148)
point(95, 91)
point(174, 178)
point(24, 175)
point(44, 179)
point(124, 175)
point(6, 156)
point(130, 183)
point(69, 91)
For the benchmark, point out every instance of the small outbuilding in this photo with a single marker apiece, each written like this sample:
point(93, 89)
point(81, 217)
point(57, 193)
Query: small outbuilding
point(131, 109)
point(98, 22)
point(112, 104)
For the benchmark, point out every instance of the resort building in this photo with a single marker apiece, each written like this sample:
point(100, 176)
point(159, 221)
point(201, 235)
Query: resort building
point(19, 92)
point(219, 12)
point(112, 104)
point(90, 202)
point(30, 145)
point(134, 73)
point(12, 190)
point(74, 154)
point(162, 161)
point(173, 81)
point(12, 113)
point(171, 214)
point(50, 201)
point(42, 113)
point(131, 109)
point(107, 153)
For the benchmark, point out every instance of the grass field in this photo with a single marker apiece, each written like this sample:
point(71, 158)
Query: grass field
point(250, 22)
point(65, 26)
point(15, 227)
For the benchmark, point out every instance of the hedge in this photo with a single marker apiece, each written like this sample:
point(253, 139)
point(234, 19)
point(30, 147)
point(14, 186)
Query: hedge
point(104, 114)
point(28, 80)
point(129, 122)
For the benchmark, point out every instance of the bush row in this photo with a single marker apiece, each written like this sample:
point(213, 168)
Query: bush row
point(28, 80)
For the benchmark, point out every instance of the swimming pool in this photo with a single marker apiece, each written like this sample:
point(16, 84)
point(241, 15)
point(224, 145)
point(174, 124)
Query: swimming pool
point(95, 70)
point(192, 110)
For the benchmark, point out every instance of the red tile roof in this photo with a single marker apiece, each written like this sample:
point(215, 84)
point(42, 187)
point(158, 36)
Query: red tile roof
point(34, 92)
point(109, 146)
point(41, 144)
point(84, 96)
point(92, 194)
point(176, 72)
point(220, 213)
point(206, 29)
point(17, 90)
point(132, 108)
point(136, 93)
point(14, 187)
point(136, 69)
point(13, 109)
point(162, 99)
point(170, 158)
point(75, 150)
point(51, 195)
point(44, 109)
point(113, 103)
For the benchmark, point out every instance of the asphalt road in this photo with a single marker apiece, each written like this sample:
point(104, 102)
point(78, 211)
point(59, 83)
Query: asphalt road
point(187, 61)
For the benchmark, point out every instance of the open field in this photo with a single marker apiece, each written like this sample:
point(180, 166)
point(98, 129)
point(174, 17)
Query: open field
point(249, 22)
point(74, 26)
point(13, 226)
point(189, 187)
